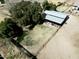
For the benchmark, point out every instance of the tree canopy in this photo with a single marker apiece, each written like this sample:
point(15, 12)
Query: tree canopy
point(49, 6)
point(27, 13)
point(2, 1)
point(8, 29)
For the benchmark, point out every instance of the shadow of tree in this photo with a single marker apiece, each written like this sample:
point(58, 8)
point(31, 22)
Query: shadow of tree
point(19, 39)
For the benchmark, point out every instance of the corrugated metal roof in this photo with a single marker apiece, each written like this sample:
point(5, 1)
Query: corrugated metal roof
point(54, 19)
point(54, 16)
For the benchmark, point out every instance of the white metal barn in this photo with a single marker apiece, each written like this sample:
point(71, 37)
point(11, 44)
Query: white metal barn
point(56, 17)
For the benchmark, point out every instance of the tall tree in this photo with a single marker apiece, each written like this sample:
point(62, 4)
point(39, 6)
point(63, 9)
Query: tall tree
point(27, 13)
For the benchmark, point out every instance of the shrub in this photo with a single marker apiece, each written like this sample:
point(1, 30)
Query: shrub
point(49, 6)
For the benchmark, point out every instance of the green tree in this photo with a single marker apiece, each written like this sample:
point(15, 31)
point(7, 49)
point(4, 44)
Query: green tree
point(2, 1)
point(27, 13)
point(8, 29)
point(49, 6)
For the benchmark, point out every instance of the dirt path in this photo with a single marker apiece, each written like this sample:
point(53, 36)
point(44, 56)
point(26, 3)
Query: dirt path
point(65, 45)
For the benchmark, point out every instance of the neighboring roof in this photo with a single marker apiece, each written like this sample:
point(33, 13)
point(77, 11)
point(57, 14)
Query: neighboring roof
point(55, 16)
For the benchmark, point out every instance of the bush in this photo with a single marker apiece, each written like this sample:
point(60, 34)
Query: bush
point(49, 6)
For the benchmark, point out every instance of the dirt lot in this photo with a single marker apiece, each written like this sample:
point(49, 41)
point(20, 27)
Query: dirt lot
point(38, 37)
point(65, 44)
point(68, 1)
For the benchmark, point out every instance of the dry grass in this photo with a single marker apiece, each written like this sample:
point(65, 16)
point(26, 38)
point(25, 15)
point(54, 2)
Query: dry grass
point(10, 51)
point(38, 37)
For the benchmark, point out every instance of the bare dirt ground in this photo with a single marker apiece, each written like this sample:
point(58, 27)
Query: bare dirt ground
point(38, 37)
point(65, 44)
point(68, 1)
point(3, 13)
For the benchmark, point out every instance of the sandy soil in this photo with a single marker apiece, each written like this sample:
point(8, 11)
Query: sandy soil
point(65, 44)
point(1, 17)
point(3, 13)
point(74, 2)
point(38, 37)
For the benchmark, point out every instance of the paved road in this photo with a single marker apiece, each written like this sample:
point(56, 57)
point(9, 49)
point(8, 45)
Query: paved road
point(65, 44)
